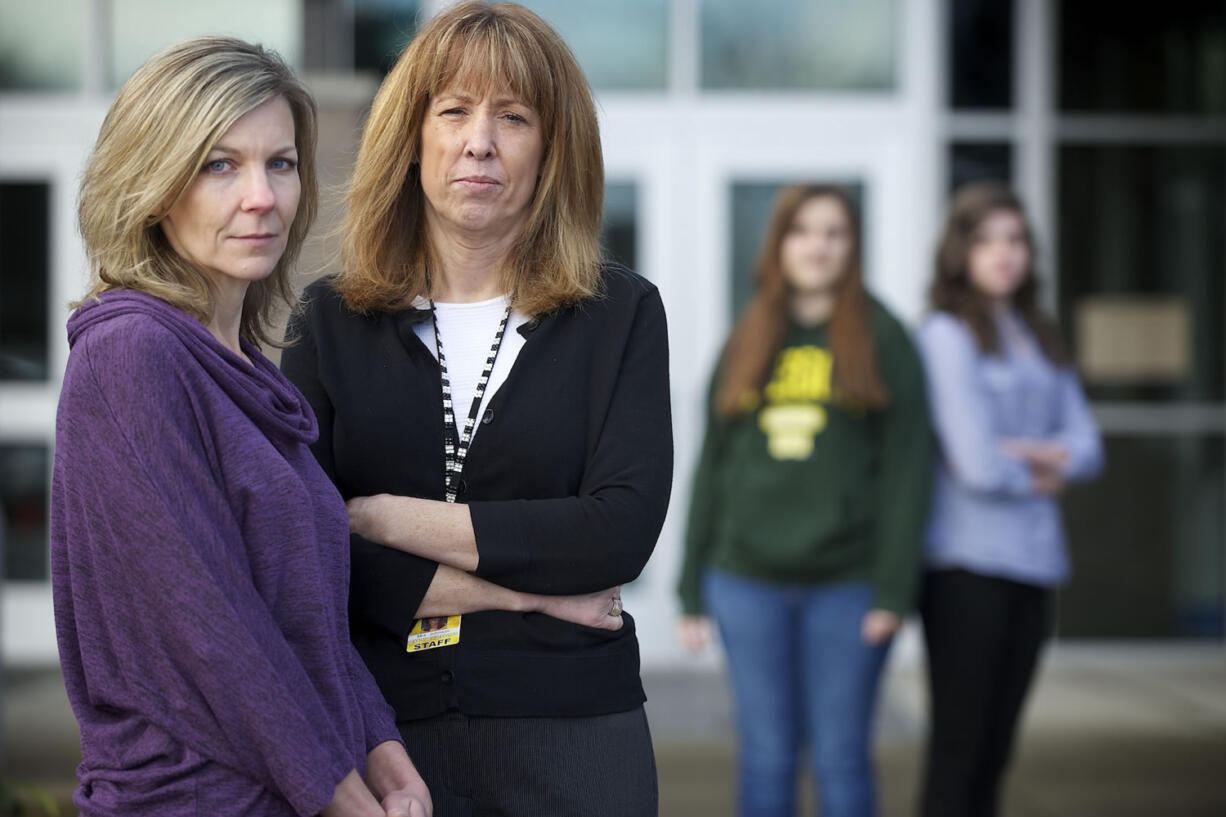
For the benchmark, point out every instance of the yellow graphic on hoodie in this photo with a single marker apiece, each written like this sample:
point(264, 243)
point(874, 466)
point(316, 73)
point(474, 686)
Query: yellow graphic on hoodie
point(793, 415)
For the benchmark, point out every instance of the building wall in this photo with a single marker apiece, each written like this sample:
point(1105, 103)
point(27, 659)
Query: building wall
point(694, 160)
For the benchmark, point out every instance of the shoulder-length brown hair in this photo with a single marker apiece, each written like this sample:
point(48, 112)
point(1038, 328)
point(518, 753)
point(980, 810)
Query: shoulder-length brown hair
point(759, 333)
point(952, 290)
point(386, 257)
point(154, 140)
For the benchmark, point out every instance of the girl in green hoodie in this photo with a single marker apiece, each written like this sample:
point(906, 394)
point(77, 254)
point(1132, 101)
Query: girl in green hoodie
point(808, 507)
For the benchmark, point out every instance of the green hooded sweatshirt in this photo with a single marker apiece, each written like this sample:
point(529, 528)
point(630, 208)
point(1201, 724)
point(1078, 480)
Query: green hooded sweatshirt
point(805, 489)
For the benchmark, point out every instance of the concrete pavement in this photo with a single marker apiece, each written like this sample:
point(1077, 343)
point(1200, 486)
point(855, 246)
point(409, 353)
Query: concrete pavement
point(1111, 731)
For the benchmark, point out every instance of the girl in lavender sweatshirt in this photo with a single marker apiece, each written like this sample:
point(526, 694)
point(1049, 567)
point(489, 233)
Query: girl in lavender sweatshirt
point(1014, 429)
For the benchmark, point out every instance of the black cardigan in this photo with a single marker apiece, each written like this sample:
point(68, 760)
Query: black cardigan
point(567, 481)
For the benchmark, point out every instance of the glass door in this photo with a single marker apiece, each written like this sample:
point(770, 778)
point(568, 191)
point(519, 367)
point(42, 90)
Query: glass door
point(1142, 292)
point(1140, 158)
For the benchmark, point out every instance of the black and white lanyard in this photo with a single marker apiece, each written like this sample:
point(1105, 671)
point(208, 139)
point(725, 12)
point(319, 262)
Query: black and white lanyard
point(455, 444)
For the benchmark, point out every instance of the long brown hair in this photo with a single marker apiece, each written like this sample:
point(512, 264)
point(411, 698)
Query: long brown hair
point(386, 256)
point(758, 336)
point(166, 118)
point(952, 290)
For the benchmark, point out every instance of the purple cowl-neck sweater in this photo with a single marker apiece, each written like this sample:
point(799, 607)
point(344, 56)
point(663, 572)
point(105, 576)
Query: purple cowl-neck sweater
point(200, 571)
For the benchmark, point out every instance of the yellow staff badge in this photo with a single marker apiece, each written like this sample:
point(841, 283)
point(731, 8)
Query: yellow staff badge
point(429, 633)
point(790, 429)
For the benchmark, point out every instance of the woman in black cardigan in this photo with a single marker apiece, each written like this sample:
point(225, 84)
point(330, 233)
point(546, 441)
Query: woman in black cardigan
point(494, 404)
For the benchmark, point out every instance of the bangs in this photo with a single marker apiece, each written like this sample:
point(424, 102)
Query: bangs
point(492, 56)
point(487, 51)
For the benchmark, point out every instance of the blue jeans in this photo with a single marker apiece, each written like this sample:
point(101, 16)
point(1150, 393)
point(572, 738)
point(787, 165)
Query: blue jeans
point(800, 674)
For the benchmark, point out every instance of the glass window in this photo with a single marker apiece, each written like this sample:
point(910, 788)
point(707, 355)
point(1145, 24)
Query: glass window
point(141, 28)
point(621, 46)
point(1142, 249)
point(619, 232)
point(24, 280)
point(1146, 540)
point(381, 30)
point(845, 45)
point(980, 161)
point(24, 477)
point(1142, 57)
point(752, 203)
point(981, 32)
point(41, 45)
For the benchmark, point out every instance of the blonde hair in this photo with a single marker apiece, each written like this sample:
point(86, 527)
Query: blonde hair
point(386, 257)
point(156, 135)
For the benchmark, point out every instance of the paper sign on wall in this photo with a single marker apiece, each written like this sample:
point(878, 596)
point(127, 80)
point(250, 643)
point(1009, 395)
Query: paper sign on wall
point(1130, 340)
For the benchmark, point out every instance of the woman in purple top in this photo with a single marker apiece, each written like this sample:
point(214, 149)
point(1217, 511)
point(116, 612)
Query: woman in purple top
point(1014, 429)
point(199, 554)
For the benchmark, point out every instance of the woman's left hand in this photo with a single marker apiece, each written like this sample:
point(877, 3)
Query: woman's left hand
point(602, 610)
point(878, 626)
point(391, 771)
point(1046, 460)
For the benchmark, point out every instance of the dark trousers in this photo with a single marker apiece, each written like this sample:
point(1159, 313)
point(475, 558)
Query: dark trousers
point(536, 767)
point(983, 636)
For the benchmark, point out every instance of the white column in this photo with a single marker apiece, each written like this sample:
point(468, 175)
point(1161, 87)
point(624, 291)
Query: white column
point(96, 65)
point(1034, 143)
point(684, 48)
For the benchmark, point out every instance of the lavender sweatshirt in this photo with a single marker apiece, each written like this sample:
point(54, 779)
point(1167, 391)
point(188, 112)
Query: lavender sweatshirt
point(200, 569)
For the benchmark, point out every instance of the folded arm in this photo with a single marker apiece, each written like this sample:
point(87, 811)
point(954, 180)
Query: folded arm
point(960, 413)
point(1078, 432)
point(455, 592)
point(599, 538)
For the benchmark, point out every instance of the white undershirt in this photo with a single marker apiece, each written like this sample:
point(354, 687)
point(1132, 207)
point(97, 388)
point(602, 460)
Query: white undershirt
point(467, 331)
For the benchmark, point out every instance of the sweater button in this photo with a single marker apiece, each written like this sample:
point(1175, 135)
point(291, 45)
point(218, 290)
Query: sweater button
point(488, 417)
point(448, 676)
point(461, 486)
